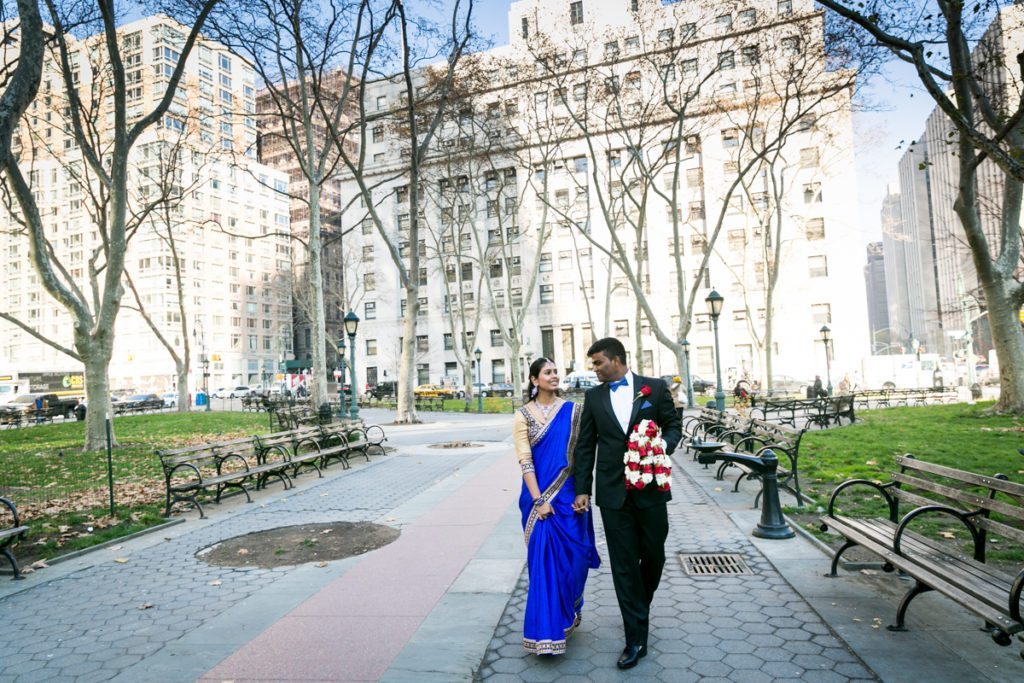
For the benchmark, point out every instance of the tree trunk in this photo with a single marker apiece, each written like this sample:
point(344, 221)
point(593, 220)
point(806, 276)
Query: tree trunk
point(1008, 337)
point(316, 291)
point(184, 395)
point(407, 368)
point(96, 359)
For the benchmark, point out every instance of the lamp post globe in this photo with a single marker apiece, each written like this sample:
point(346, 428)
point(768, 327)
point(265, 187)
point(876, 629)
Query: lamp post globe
point(714, 302)
point(351, 327)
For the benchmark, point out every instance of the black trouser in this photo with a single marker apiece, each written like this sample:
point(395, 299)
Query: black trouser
point(636, 549)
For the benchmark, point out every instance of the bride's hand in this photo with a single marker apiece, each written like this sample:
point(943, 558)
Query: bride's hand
point(544, 510)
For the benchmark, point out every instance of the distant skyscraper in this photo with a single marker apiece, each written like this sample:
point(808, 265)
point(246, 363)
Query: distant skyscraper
point(878, 305)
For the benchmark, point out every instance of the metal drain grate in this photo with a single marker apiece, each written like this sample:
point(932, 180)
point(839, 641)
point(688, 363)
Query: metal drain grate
point(713, 564)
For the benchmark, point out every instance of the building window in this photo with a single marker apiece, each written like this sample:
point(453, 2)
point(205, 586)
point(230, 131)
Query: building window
point(790, 46)
point(369, 281)
point(812, 193)
point(815, 229)
point(726, 60)
point(751, 55)
point(526, 27)
point(731, 138)
point(576, 13)
point(423, 373)
point(448, 345)
point(809, 157)
point(370, 310)
point(545, 264)
point(496, 339)
point(821, 314)
point(785, 7)
point(621, 328)
point(422, 343)
point(371, 347)
point(818, 266)
point(747, 17)
point(724, 22)
point(547, 293)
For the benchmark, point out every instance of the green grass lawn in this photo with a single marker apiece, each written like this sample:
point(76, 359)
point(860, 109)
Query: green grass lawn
point(957, 435)
point(61, 492)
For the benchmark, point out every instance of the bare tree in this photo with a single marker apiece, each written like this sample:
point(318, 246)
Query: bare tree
point(104, 151)
point(306, 54)
point(980, 95)
point(425, 101)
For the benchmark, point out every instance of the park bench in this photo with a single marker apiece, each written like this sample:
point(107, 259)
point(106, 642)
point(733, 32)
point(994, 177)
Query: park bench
point(342, 439)
point(889, 398)
point(755, 437)
point(832, 411)
point(300, 447)
point(10, 535)
point(785, 410)
point(705, 425)
point(984, 505)
point(217, 467)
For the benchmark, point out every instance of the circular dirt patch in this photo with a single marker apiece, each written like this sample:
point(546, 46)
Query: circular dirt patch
point(456, 444)
point(289, 545)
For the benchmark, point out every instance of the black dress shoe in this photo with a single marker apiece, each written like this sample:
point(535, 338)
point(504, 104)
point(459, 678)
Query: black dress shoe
point(631, 656)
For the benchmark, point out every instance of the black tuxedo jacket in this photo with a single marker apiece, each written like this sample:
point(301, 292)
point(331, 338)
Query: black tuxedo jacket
point(601, 438)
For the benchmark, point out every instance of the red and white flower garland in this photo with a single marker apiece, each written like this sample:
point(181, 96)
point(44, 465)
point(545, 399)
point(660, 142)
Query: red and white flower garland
point(646, 460)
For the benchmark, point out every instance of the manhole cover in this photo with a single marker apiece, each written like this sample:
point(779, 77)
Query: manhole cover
point(299, 544)
point(713, 564)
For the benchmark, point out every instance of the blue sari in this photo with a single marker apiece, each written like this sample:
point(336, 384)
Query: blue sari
point(561, 548)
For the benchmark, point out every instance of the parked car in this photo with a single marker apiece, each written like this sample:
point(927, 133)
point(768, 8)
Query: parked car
point(140, 402)
point(425, 391)
point(222, 392)
point(784, 385)
point(52, 406)
point(384, 390)
point(170, 399)
point(499, 389)
point(239, 391)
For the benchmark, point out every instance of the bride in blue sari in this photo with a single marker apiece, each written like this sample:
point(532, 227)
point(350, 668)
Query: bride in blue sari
point(560, 542)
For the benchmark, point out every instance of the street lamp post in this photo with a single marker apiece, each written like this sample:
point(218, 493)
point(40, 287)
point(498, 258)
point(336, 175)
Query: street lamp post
point(714, 301)
point(826, 339)
point(340, 376)
point(689, 379)
point(351, 326)
point(479, 385)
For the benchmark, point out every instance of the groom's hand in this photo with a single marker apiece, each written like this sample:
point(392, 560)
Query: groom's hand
point(582, 503)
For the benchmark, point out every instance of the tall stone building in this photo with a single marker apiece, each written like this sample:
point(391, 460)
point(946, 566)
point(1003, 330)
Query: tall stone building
point(222, 204)
point(878, 303)
point(563, 160)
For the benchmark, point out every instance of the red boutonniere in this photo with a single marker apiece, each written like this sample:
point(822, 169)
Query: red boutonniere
point(644, 392)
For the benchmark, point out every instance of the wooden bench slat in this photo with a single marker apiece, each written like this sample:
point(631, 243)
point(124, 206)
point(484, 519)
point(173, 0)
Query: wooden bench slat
point(972, 499)
point(960, 475)
point(992, 610)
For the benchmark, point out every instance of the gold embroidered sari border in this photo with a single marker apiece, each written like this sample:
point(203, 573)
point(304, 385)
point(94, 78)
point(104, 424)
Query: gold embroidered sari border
point(552, 490)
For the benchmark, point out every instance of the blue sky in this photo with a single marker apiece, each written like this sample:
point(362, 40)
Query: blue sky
point(901, 109)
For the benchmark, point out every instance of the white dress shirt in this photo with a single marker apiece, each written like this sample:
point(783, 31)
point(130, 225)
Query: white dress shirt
point(622, 400)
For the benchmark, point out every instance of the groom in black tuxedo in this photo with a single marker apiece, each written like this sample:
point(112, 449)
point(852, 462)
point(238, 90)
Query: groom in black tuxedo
point(635, 522)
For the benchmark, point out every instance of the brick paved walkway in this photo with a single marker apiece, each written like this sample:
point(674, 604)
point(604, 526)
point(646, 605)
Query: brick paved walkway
point(749, 629)
point(88, 626)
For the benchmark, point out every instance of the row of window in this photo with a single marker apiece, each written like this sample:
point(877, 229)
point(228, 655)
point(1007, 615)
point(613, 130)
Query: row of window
point(724, 23)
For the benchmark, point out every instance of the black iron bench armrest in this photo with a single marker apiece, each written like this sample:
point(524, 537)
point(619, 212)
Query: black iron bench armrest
point(897, 539)
point(14, 511)
point(882, 488)
point(169, 473)
point(1015, 594)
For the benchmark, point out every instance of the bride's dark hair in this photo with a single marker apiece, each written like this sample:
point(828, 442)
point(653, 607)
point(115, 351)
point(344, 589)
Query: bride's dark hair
point(535, 368)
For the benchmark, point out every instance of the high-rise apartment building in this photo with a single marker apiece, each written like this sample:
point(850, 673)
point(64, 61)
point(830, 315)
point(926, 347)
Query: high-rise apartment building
point(526, 199)
point(277, 149)
point(222, 206)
